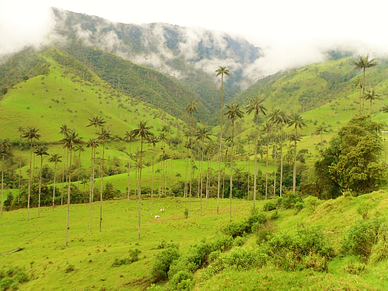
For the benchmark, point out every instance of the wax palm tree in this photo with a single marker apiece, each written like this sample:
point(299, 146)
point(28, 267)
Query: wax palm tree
point(142, 131)
point(191, 109)
point(232, 112)
point(153, 140)
point(96, 121)
point(209, 150)
point(280, 118)
point(188, 146)
point(21, 133)
point(63, 130)
point(267, 129)
point(256, 105)
point(221, 71)
point(55, 158)
point(202, 134)
point(296, 121)
point(364, 63)
point(129, 138)
point(69, 141)
point(31, 134)
point(320, 130)
point(5, 153)
point(93, 144)
point(40, 151)
point(79, 148)
point(103, 136)
point(371, 95)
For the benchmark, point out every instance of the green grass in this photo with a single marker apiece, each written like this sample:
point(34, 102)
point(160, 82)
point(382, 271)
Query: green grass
point(46, 259)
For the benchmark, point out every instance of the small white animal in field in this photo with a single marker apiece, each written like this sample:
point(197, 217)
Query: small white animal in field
point(161, 210)
point(157, 216)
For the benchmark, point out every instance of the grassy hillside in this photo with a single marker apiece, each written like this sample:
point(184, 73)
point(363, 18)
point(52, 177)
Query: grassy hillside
point(87, 262)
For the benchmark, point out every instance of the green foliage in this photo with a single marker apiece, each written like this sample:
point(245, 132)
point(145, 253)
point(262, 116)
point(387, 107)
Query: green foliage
point(163, 262)
point(133, 257)
point(362, 236)
point(305, 249)
point(363, 209)
point(182, 281)
point(186, 213)
point(70, 268)
point(269, 206)
point(12, 277)
point(288, 201)
point(245, 226)
point(351, 162)
point(239, 259)
point(312, 202)
point(354, 268)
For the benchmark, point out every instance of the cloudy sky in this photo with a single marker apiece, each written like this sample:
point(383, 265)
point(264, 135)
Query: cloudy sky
point(290, 32)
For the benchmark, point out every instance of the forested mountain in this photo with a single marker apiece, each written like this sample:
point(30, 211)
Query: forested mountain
point(188, 54)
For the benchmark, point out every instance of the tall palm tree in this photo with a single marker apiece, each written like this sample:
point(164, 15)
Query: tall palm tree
point(209, 150)
point(69, 141)
point(93, 144)
point(96, 121)
point(154, 140)
point(232, 112)
point(55, 158)
point(267, 129)
point(142, 131)
point(320, 130)
point(40, 151)
point(191, 109)
point(364, 63)
point(103, 136)
point(256, 105)
point(188, 146)
point(31, 134)
point(371, 95)
point(295, 121)
point(5, 152)
point(63, 130)
point(221, 71)
point(21, 133)
point(79, 148)
point(202, 134)
point(129, 138)
point(280, 118)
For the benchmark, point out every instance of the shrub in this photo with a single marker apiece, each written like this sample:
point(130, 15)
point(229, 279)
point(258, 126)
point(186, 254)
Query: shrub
point(133, 257)
point(288, 201)
point(298, 207)
point(363, 209)
point(240, 228)
point(312, 203)
point(275, 215)
point(163, 262)
point(269, 206)
point(362, 236)
point(239, 241)
point(305, 249)
point(186, 213)
point(70, 268)
point(11, 278)
point(177, 279)
point(354, 268)
point(380, 250)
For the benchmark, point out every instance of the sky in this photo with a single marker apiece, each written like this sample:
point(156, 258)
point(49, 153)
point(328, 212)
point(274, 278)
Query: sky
point(291, 33)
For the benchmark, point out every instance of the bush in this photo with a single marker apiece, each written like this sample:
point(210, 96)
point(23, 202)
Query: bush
point(163, 262)
point(363, 209)
point(239, 241)
point(178, 278)
point(298, 207)
point(288, 201)
point(240, 228)
point(133, 257)
point(363, 235)
point(70, 268)
point(269, 206)
point(312, 203)
point(305, 249)
point(11, 278)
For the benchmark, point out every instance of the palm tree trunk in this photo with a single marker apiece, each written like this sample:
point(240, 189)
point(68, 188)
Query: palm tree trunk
point(201, 167)
point(40, 184)
point(29, 185)
point(207, 180)
point(255, 177)
point(274, 173)
point(294, 172)
point(139, 188)
point(68, 201)
point(2, 187)
point(220, 146)
point(231, 174)
point(129, 174)
point(102, 183)
point(281, 170)
point(152, 183)
point(55, 176)
point(91, 198)
point(266, 172)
